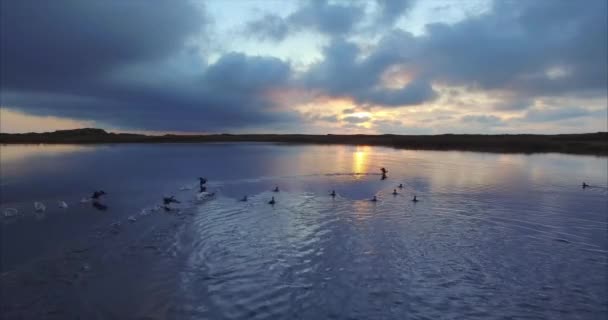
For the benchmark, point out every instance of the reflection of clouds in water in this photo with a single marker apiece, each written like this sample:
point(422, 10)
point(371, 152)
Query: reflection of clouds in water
point(13, 153)
point(17, 160)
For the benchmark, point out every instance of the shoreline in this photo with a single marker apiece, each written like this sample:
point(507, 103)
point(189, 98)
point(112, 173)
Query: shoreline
point(585, 143)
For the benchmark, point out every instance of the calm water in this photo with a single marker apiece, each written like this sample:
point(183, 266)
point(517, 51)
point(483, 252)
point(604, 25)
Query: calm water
point(495, 236)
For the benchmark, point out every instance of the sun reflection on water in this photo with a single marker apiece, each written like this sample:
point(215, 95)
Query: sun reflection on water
point(360, 162)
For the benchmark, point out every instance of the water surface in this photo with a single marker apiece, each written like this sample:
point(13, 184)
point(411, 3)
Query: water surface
point(494, 236)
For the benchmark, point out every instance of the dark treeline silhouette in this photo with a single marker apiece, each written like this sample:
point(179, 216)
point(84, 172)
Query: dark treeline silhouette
point(586, 143)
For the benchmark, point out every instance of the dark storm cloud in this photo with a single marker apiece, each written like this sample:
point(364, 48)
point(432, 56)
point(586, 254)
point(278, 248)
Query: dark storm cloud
point(227, 95)
point(483, 120)
point(320, 15)
point(524, 49)
point(118, 63)
point(342, 73)
point(555, 114)
point(134, 65)
point(518, 44)
point(333, 19)
point(391, 10)
point(47, 42)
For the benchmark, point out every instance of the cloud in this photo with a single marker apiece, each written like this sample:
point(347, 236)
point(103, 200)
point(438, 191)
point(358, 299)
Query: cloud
point(269, 27)
point(483, 120)
point(353, 119)
point(343, 73)
point(134, 66)
point(559, 114)
point(532, 48)
point(519, 50)
point(391, 10)
point(57, 43)
point(333, 19)
point(130, 65)
point(229, 94)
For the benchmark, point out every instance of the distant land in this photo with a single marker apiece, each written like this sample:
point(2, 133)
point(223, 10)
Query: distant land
point(586, 143)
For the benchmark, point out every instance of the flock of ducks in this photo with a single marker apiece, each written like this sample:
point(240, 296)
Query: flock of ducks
point(333, 193)
point(95, 198)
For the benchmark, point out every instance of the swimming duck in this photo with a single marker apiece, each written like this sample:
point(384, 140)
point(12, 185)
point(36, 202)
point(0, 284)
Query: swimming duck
point(272, 202)
point(39, 206)
point(62, 204)
point(202, 180)
point(374, 199)
point(244, 199)
point(400, 186)
point(333, 193)
point(585, 185)
point(10, 212)
point(415, 199)
point(276, 189)
point(169, 200)
point(384, 171)
point(395, 192)
point(97, 194)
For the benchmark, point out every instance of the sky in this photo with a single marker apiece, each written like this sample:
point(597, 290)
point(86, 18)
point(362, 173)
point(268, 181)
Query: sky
point(317, 67)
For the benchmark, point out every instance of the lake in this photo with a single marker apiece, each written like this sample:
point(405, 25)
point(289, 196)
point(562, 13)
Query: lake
point(494, 236)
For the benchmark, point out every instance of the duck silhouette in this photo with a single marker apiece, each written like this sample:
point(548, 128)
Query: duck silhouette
point(97, 194)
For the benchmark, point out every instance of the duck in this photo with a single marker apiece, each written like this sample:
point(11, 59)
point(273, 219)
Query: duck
point(276, 189)
point(244, 199)
point(333, 193)
point(400, 186)
point(168, 200)
point(374, 199)
point(272, 202)
point(585, 185)
point(415, 199)
point(395, 192)
point(39, 206)
point(62, 204)
point(10, 212)
point(202, 180)
point(97, 194)
point(384, 171)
